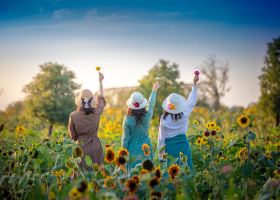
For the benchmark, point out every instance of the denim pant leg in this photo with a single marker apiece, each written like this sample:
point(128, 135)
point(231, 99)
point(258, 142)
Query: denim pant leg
point(189, 154)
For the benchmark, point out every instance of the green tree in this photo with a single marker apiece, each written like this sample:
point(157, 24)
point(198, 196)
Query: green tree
point(50, 95)
point(169, 75)
point(214, 86)
point(270, 81)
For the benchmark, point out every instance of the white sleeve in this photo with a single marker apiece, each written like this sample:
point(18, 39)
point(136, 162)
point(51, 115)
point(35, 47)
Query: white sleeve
point(161, 143)
point(191, 101)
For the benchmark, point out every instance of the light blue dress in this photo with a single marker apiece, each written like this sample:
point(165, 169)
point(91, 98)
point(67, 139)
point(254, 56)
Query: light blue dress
point(134, 136)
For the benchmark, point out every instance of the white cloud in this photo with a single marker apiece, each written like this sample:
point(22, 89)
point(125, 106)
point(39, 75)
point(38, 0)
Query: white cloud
point(61, 13)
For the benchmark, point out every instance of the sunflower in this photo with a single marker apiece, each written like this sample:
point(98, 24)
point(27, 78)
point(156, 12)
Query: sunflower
point(110, 155)
point(243, 121)
point(153, 182)
point(173, 170)
point(198, 141)
point(213, 133)
point(158, 173)
point(132, 186)
point(74, 193)
point(206, 133)
point(148, 165)
point(78, 152)
point(221, 153)
point(195, 122)
point(277, 173)
point(97, 68)
point(120, 161)
point(242, 153)
point(143, 172)
point(109, 183)
point(136, 179)
point(20, 129)
point(156, 195)
point(123, 152)
point(146, 149)
point(204, 140)
point(218, 128)
point(211, 125)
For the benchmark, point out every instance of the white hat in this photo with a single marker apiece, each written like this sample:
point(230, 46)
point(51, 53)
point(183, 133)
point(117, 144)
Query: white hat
point(174, 103)
point(136, 101)
point(86, 95)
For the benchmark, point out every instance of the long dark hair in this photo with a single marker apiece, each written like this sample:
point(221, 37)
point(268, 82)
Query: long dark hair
point(88, 110)
point(174, 117)
point(139, 114)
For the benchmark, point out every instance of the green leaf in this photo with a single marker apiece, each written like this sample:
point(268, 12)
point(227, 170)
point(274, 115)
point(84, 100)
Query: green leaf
point(88, 160)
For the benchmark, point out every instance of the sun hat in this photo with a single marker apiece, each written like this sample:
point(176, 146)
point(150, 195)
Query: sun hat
point(136, 101)
point(174, 103)
point(86, 95)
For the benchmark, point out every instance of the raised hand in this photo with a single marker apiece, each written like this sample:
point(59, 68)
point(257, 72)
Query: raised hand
point(156, 86)
point(195, 79)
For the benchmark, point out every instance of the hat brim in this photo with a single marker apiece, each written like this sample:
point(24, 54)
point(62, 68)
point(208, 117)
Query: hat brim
point(180, 107)
point(129, 103)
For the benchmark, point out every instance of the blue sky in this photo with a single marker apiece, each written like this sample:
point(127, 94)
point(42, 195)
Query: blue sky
point(128, 37)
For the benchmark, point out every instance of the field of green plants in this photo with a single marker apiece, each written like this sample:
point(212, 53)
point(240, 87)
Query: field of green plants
point(235, 157)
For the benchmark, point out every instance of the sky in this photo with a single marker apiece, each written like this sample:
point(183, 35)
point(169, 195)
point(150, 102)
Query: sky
point(128, 37)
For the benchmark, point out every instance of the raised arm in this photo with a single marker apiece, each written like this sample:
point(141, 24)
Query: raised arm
point(101, 100)
point(152, 99)
point(191, 101)
point(101, 78)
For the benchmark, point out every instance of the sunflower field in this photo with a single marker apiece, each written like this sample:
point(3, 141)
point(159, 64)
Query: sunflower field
point(235, 156)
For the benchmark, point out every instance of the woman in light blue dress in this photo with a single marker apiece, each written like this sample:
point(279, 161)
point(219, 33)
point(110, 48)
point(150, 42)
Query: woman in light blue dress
point(136, 126)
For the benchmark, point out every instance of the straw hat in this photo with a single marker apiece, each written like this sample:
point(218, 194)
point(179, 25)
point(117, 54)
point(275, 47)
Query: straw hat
point(86, 95)
point(174, 103)
point(136, 101)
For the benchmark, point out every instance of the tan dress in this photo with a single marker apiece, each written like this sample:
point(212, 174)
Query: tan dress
point(84, 128)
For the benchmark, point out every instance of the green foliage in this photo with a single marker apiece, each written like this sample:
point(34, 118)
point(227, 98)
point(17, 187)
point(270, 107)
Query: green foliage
point(50, 95)
point(169, 75)
point(270, 81)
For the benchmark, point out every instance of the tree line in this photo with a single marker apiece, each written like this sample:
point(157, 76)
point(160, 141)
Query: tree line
point(50, 95)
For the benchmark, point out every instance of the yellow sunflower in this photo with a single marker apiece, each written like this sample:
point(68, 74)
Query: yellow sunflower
point(110, 155)
point(120, 161)
point(199, 141)
point(78, 152)
point(243, 121)
point(195, 122)
point(143, 172)
point(74, 193)
point(173, 171)
point(132, 186)
point(136, 179)
point(158, 173)
point(123, 152)
point(98, 68)
point(146, 149)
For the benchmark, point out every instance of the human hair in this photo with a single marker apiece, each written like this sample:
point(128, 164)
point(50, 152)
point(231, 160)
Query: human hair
point(139, 114)
point(87, 110)
point(174, 117)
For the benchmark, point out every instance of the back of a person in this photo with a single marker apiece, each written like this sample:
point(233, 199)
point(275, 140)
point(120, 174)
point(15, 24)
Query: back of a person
point(136, 126)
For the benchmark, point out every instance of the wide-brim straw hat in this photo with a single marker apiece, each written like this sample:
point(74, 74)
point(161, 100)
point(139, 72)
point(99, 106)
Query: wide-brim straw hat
point(85, 94)
point(136, 101)
point(174, 103)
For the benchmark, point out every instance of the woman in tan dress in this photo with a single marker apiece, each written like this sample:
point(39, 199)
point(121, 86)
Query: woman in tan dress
point(83, 124)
